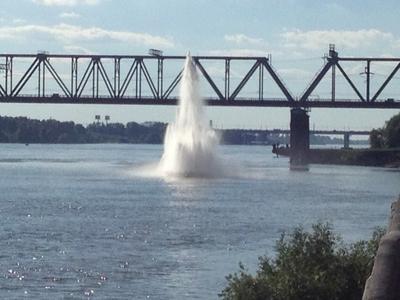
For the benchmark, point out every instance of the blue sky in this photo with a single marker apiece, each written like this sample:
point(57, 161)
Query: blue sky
point(296, 33)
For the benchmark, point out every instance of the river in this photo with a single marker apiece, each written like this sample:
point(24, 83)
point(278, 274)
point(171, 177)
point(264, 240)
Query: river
point(78, 222)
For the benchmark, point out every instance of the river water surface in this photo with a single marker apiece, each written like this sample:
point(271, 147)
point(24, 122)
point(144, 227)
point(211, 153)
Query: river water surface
point(77, 222)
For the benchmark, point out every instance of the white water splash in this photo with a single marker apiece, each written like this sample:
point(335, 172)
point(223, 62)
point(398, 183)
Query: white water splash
point(190, 146)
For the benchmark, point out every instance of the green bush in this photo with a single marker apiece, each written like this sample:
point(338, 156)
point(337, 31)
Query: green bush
point(393, 132)
point(313, 265)
point(388, 136)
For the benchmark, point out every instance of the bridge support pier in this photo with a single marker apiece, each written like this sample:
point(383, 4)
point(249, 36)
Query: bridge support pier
point(299, 138)
point(346, 141)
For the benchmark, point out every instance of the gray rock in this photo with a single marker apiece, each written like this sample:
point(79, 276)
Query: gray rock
point(384, 282)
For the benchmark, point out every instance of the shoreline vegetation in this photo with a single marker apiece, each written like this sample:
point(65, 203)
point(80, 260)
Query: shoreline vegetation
point(30, 131)
point(314, 265)
point(318, 265)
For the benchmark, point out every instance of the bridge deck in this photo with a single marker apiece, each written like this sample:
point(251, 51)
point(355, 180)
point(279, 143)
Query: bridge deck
point(238, 102)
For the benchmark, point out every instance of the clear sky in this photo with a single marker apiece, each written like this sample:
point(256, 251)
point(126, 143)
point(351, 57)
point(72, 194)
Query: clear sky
point(295, 32)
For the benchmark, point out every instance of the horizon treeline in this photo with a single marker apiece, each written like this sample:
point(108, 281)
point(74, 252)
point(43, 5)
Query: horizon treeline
point(25, 130)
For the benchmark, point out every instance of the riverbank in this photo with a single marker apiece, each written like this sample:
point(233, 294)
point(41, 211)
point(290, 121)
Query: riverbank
point(30, 131)
point(360, 157)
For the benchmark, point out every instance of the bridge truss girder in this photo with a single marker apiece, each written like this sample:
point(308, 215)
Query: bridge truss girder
point(86, 73)
point(92, 75)
point(364, 99)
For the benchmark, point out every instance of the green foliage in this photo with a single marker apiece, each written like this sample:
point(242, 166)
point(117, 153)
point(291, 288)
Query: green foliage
point(388, 136)
point(376, 139)
point(392, 132)
point(24, 130)
point(308, 265)
point(243, 286)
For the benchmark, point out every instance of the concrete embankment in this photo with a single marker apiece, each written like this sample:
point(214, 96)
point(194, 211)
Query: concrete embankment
point(361, 157)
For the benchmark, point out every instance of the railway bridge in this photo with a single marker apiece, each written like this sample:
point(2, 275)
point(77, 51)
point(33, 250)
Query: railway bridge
point(153, 80)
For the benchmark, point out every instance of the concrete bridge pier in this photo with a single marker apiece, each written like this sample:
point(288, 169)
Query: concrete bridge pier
point(299, 138)
point(346, 140)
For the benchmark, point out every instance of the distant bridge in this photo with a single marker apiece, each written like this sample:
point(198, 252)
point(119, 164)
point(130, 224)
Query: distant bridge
point(322, 132)
point(346, 133)
point(143, 79)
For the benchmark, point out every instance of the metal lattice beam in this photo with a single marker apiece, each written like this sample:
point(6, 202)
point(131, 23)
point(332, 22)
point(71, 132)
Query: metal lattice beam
point(142, 79)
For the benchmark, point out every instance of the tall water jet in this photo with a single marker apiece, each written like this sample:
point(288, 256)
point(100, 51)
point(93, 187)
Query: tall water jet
point(190, 145)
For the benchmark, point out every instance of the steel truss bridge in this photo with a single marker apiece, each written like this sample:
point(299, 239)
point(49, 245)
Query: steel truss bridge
point(135, 79)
